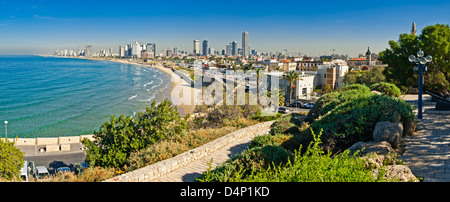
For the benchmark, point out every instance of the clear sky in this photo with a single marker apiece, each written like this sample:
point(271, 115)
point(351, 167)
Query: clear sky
point(308, 27)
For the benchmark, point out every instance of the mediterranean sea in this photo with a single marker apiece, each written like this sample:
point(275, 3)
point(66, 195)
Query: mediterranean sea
point(50, 96)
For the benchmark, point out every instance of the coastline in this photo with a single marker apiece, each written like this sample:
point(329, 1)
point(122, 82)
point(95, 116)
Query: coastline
point(177, 83)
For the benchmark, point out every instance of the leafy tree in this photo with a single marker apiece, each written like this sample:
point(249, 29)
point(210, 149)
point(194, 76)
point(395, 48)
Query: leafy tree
point(435, 41)
point(291, 76)
point(11, 160)
point(375, 75)
point(117, 138)
point(160, 122)
point(400, 70)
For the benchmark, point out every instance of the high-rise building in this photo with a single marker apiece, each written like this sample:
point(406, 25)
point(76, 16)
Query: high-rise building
point(151, 47)
point(234, 48)
point(88, 51)
point(210, 51)
point(136, 50)
point(228, 49)
point(196, 47)
point(205, 48)
point(245, 45)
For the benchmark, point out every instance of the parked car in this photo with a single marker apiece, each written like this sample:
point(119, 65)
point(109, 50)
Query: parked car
point(24, 171)
point(296, 104)
point(41, 172)
point(308, 105)
point(63, 170)
point(283, 110)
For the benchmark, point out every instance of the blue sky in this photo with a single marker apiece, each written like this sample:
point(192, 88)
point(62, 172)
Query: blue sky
point(308, 27)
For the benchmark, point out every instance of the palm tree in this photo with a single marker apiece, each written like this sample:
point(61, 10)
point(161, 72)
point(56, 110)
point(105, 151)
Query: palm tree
point(291, 76)
point(257, 84)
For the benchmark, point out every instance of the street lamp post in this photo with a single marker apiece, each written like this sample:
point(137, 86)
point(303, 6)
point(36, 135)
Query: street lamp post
point(6, 131)
point(420, 63)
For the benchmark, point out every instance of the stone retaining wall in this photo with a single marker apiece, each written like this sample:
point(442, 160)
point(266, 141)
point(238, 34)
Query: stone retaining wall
point(166, 166)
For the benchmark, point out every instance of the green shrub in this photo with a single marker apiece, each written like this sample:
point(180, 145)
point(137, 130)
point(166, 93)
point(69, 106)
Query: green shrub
point(118, 138)
point(314, 165)
point(285, 125)
point(387, 89)
point(331, 100)
point(355, 120)
point(248, 162)
point(277, 140)
point(11, 160)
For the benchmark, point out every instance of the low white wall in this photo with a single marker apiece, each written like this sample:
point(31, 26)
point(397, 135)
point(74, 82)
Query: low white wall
point(50, 140)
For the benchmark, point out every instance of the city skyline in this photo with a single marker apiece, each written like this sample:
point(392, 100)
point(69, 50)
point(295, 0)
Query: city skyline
point(311, 28)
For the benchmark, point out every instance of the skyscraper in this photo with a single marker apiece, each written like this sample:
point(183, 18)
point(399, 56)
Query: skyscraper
point(151, 47)
point(136, 50)
point(196, 47)
point(228, 49)
point(205, 48)
point(234, 48)
point(245, 45)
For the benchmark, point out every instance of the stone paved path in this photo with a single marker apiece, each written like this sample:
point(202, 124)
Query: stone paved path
point(427, 152)
point(197, 167)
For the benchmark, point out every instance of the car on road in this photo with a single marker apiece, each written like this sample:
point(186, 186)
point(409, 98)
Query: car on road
point(296, 104)
point(308, 105)
point(283, 110)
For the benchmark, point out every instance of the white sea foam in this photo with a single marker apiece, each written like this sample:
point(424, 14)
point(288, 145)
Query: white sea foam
point(132, 97)
point(148, 83)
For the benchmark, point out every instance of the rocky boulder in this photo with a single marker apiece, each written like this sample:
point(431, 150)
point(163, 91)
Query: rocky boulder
point(376, 147)
point(390, 132)
point(398, 173)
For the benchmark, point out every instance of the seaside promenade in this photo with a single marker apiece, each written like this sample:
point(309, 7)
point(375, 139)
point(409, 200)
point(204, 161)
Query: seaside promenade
point(427, 152)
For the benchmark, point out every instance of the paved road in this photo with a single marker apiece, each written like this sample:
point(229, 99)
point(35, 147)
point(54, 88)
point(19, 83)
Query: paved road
point(54, 161)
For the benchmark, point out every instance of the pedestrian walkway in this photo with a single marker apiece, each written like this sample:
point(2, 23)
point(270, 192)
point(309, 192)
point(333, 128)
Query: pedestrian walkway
point(427, 152)
point(194, 169)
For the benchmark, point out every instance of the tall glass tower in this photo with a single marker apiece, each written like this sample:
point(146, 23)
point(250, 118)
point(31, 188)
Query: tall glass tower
point(245, 45)
point(205, 48)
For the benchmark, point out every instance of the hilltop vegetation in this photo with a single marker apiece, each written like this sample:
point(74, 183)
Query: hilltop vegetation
point(293, 152)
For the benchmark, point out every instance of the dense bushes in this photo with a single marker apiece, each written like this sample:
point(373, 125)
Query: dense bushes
point(11, 160)
point(331, 100)
point(119, 137)
point(350, 114)
point(387, 89)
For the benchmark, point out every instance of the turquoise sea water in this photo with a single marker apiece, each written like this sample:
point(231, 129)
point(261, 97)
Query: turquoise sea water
point(49, 97)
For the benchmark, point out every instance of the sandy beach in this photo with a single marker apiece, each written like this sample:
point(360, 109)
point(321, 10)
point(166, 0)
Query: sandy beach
point(178, 85)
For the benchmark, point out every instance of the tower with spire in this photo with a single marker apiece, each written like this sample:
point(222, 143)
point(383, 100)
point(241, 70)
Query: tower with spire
point(413, 29)
point(368, 56)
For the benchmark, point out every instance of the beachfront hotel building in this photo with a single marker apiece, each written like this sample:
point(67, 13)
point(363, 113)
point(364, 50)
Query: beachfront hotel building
point(245, 45)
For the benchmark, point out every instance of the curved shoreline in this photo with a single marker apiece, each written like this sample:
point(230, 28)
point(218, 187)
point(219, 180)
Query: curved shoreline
point(176, 82)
